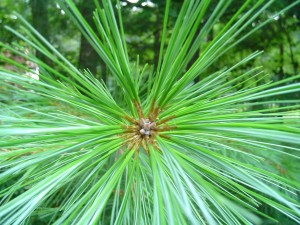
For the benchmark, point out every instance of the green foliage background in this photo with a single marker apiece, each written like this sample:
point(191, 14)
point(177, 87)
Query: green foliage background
point(142, 24)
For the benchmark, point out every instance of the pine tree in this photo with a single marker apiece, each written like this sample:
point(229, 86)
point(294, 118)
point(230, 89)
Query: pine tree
point(157, 148)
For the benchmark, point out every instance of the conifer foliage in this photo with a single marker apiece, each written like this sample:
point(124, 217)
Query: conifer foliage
point(158, 147)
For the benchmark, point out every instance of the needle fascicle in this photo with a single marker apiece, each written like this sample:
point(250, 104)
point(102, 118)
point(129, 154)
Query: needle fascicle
point(142, 131)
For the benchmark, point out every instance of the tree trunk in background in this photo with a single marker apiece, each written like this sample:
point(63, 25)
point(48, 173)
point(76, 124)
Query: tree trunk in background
point(88, 57)
point(39, 11)
point(281, 74)
point(281, 62)
point(156, 33)
point(293, 61)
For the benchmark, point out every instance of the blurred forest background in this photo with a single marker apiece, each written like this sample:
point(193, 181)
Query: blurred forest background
point(280, 39)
